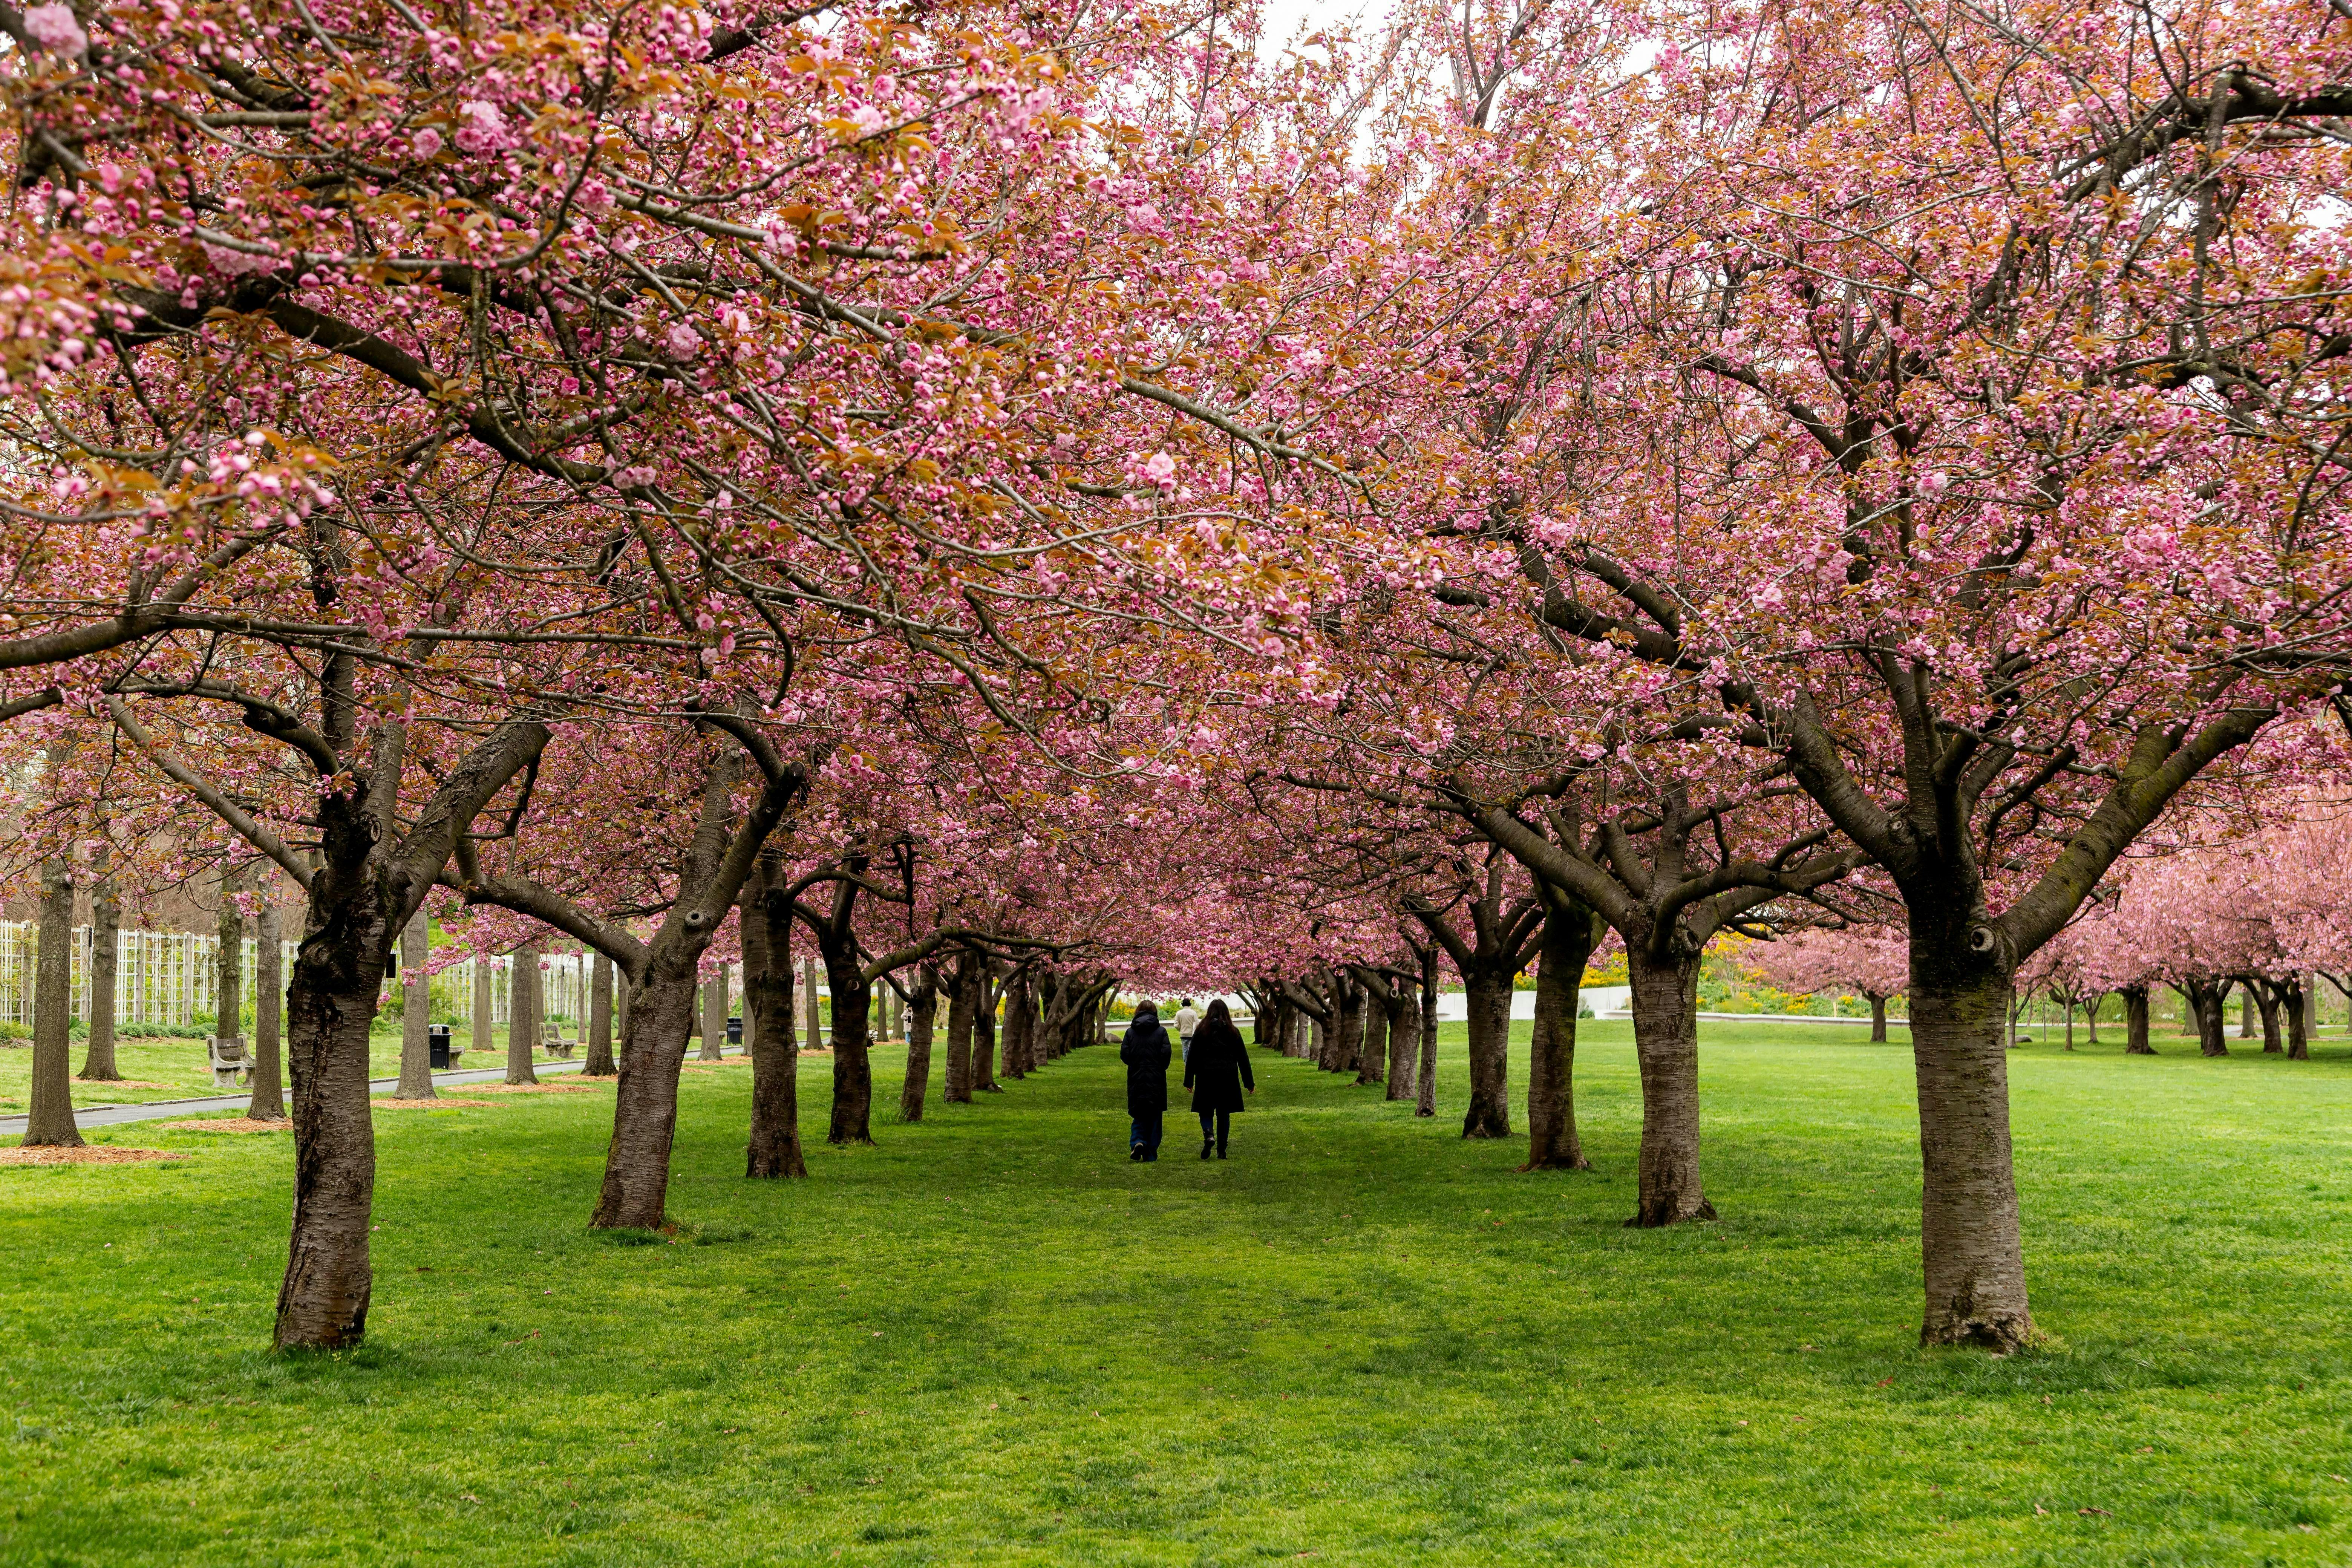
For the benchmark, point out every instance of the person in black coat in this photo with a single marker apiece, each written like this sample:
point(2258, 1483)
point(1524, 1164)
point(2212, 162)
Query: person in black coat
point(1216, 1071)
point(1145, 1050)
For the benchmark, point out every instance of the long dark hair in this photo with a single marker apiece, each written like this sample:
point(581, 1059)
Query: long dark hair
point(1220, 1014)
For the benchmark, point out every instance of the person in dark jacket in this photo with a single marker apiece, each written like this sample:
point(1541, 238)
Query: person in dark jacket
point(1144, 1048)
point(1216, 1071)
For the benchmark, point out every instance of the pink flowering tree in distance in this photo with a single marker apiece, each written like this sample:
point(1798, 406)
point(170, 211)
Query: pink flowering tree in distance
point(1872, 962)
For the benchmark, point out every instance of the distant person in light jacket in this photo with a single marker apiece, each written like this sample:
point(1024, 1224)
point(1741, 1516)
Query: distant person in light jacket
point(1187, 1020)
point(1144, 1049)
point(1216, 1071)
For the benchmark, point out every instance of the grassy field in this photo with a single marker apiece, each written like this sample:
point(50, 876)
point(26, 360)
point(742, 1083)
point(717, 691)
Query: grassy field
point(993, 1340)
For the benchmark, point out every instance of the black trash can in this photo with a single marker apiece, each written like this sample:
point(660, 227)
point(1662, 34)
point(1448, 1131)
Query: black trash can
point(437, 1036)
point(734, 1031)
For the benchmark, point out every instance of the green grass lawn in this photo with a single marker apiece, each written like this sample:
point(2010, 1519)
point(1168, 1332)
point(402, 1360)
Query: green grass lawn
point(993, 1340)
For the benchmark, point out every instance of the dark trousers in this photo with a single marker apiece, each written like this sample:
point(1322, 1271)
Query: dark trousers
point(1216, 1126)
point(1144, 1133)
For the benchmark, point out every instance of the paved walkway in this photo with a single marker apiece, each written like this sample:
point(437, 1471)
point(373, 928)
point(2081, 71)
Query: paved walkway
point(89, 1116)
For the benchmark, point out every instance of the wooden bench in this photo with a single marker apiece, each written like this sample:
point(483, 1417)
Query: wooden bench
point(555, 1042)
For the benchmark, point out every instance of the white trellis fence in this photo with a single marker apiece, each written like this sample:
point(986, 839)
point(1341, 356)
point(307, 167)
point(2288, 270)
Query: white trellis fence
point(169, 977)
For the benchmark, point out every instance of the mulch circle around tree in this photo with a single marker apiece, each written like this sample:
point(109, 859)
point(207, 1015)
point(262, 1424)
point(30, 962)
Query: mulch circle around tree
point(387, 1103)
point(230, 1124)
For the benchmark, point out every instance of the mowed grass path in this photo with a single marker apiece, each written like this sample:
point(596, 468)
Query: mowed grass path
point(993, 1340)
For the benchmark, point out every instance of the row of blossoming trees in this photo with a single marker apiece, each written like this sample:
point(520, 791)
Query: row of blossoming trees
point(2259, 910)
point(1012, 496)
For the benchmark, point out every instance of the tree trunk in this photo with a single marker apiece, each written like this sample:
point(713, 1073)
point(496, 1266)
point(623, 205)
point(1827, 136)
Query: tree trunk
point(853, 1067)
point(2066, 1004)
point(482, 1029)
point(322, 1304)
point(961, 1007)
point(774, 1149)
point(1666, 1044)
point(1404, 1040)
point(49, 1118)
point(2295, 1000)
point(268, 1101)
point(2188, 1021)
point(105, 950)
point(2207, 997)
point(598, 1062)
point(983, 1038)
point(1425, 1080)
point(1974, 1260)
point(1348, 1040)
point(228, 934)
point(714, 1015)
point(2135, 1022)
point(814, 1005)
point(1017, 1026)
point(1489, 1115)
point(2266, 1000)
point(2245, 1012)
point(635, 1190)
point(1878, 1020)
point(622, 992)
point(1371, 1055)
point(415, 1014)
point(921, 1015)
point(522, 1014)
point(1570, 932)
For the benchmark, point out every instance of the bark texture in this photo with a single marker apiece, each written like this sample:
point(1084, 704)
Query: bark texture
point(1404, 1040)
point(322, 1303)
point(415, 1014)
point(597, 1058)
point(984, 1036)
point(1425, 1079)
point(49, 1120)
point(774, 1149)
point(2205, 997)
point(961, 1007)
point(1570, 929)
point(853, 1066)
point(522, 1014)
point(1878, 1020)
point(1017, 1026)
point(922, 1014)
point(228, 958)
point(1489, 1115)
point(635, 1194)
point(482, 1029)
point(2135, 1022)
point(1971, 1250)
point(1665, 1043)
point(715, 1013)
point(268, 1101)
point(1372, 1056)
point(2266, 1003)
point(105, 955)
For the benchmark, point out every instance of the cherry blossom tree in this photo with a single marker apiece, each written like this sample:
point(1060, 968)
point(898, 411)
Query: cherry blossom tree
point(1871, 961)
